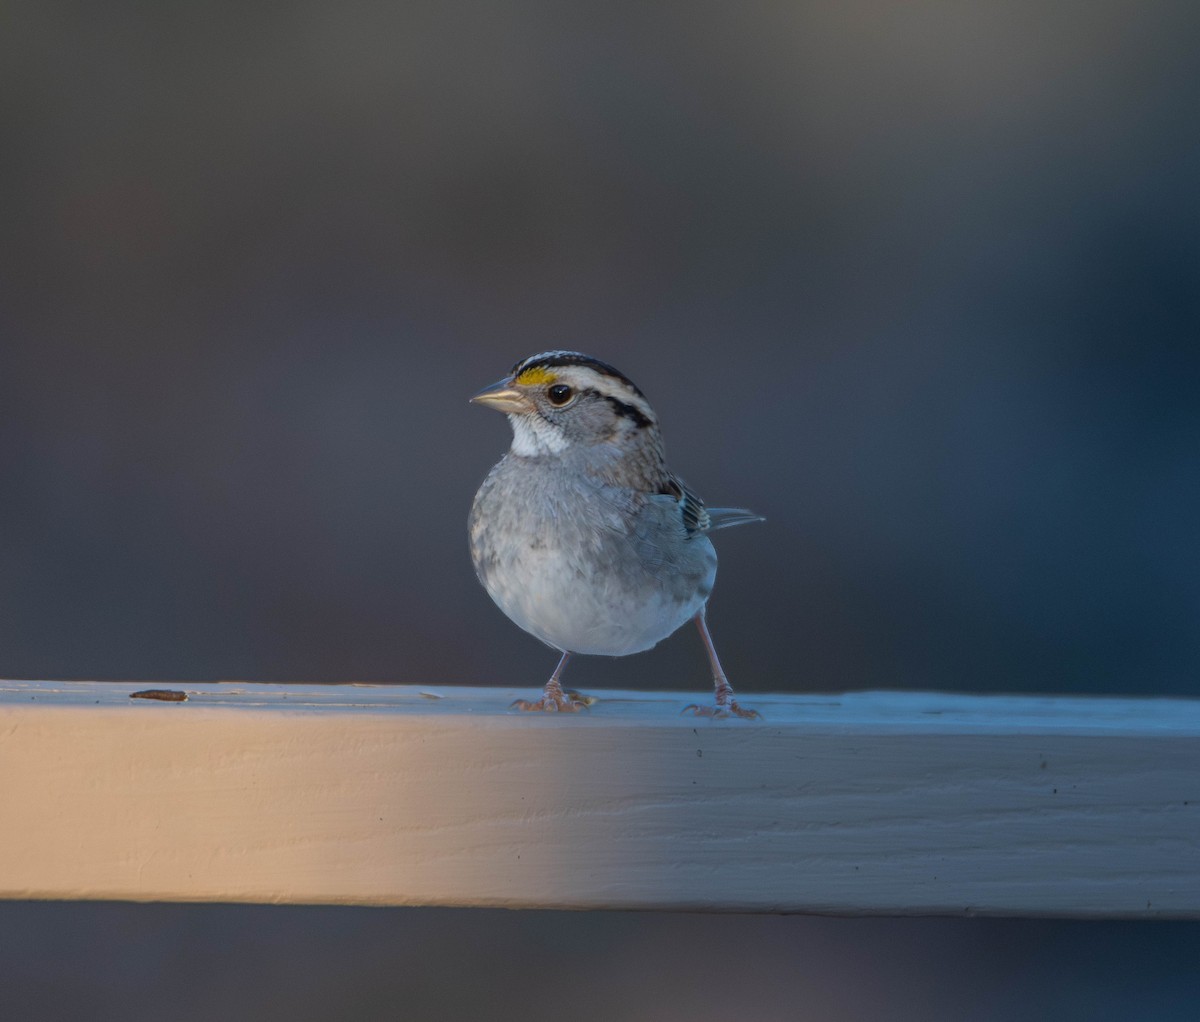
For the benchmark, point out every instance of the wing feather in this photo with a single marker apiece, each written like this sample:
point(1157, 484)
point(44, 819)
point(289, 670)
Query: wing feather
point(699, 519)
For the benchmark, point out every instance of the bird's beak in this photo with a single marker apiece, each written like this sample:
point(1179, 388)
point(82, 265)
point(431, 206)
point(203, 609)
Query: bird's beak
point(504, 397)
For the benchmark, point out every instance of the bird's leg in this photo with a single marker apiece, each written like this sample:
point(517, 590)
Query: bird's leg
point(554, 698)
point(724, 704)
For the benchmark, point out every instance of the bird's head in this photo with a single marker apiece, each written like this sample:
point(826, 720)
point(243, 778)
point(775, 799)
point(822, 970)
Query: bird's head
point(557, 400)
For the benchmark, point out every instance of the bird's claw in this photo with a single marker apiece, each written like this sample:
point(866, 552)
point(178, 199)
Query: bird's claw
point(564, 702)
point(720, 711)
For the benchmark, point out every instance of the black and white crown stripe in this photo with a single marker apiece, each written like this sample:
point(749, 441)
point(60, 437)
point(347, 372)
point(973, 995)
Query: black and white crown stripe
point(561, 359)
point(600, 378)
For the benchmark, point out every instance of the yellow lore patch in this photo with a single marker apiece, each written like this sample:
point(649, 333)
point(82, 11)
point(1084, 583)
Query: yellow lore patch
point(535, 376)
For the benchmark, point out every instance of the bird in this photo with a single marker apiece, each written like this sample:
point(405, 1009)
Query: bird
point(582, 535)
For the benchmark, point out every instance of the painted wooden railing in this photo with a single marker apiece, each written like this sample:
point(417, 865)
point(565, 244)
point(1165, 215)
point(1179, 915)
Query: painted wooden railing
point(867, 803)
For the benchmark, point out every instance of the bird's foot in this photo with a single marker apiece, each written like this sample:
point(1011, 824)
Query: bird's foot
point(556, 701)
point(723, 705)
point(730, 709)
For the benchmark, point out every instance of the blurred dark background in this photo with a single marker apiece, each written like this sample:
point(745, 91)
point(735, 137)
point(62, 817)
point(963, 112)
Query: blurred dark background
point(919, 282)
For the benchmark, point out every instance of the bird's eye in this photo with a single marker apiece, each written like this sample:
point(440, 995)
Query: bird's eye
point(559, 394)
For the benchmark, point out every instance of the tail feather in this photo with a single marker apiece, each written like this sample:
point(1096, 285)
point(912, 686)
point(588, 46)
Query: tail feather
point(724, 517)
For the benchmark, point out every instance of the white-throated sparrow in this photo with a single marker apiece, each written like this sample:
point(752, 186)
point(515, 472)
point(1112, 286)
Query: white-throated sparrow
point(581, 534)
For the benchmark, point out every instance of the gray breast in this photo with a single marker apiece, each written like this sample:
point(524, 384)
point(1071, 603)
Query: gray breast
point(585, 566)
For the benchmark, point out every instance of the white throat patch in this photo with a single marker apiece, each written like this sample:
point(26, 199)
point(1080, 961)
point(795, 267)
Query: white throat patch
point(533, 435)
